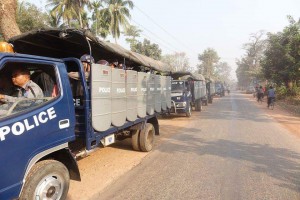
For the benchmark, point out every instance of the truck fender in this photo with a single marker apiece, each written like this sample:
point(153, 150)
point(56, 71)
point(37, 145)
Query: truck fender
point(154, 122)
point(60, 153)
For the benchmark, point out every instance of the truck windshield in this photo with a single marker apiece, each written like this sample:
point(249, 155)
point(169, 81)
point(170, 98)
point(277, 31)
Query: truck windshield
point(178, 86)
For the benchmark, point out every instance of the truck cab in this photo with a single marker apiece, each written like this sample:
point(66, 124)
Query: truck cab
point(188, 92)
point(181, 97)
point(220, 90)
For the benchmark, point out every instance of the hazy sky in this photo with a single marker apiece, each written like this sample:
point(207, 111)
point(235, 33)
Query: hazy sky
point(191, 26)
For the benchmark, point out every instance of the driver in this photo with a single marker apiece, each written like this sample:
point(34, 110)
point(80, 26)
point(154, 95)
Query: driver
point(24, 87)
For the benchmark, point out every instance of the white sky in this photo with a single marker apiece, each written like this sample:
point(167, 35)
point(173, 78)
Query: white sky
point(191, 26)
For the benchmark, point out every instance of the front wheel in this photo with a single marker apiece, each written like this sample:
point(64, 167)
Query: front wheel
point(48, 179)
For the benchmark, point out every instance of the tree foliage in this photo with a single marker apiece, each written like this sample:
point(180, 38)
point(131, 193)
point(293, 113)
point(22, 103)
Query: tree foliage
point(208, 60)
point(249, 65)
point(117, 14)
point(147, 49)
point(177, 62)
point(132, 33)
point(30, 17)
point(281, 63)
point(222, 72)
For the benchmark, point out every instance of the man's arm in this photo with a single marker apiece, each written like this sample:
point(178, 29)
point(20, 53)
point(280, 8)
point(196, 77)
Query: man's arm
point(6, 98)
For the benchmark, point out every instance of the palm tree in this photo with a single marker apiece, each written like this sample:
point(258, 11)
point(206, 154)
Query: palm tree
point(96, 5)
point(117, 13)
point(8, 23)
point(79, 7)
point(132, 32)
point(64, 8)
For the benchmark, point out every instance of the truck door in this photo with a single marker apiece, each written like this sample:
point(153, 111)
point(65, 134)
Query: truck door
point(32, 127)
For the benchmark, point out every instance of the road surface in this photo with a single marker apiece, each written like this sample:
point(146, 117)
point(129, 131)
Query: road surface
point(232, 150)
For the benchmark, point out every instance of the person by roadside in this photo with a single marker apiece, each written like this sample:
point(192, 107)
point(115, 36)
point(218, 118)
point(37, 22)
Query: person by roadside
point(271, 95)
point(260, 93)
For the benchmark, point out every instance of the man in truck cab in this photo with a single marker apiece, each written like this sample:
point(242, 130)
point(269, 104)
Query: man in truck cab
point(24, 87)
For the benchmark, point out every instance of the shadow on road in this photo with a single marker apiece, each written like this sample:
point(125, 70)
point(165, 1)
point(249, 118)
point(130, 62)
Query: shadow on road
point(280, 163)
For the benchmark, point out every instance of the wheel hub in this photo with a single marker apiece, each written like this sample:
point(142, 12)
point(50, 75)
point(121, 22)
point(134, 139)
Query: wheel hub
point(50, 188)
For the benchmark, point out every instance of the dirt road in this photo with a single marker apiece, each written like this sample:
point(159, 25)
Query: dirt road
point(105, 166)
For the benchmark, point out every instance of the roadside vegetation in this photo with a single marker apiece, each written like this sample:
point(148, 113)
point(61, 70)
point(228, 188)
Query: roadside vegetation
point(274, 59)
point(269, 59)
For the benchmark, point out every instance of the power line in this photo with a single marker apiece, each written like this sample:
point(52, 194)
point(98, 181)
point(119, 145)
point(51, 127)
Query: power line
point(149, 38)
point(177, 40)
point(170, 45)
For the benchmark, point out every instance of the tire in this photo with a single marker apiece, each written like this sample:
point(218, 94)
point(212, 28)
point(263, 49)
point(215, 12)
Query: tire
point(135, 140)
point(197, 105)
point(200, 105)
point(48, 179)
point(147, 138)
point(188, 113)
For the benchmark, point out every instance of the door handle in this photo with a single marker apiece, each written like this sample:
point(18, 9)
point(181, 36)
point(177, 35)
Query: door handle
point(65, 123)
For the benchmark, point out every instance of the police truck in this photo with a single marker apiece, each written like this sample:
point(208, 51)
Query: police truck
point(41, 138)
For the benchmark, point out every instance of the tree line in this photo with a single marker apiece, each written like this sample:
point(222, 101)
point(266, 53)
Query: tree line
point(103, 18)
point(273, 59)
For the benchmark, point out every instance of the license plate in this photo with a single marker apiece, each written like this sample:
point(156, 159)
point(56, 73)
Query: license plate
point(108, 140)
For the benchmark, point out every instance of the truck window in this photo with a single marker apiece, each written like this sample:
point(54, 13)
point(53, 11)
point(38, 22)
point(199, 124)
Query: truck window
point(26, 86)
point(178, 86)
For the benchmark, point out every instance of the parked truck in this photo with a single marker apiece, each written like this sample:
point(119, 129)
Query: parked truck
point(188, 91)
point(41, 138)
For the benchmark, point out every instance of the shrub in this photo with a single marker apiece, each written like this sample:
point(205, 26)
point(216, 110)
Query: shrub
point(281, 92)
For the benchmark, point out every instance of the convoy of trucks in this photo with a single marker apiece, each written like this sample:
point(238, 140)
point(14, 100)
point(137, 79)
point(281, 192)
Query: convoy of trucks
point(41, 138)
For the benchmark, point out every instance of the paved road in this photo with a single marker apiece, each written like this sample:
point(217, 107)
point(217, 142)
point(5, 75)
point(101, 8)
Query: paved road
point(232, 150)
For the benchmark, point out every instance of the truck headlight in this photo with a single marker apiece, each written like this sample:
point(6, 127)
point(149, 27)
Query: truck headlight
point(184, 104)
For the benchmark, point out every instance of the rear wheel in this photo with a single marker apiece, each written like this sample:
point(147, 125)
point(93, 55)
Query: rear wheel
point(48, 179)
point(147, 138)
point(200, 105)
point(135, 137)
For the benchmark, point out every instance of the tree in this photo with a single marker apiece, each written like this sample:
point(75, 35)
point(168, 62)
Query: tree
point(96, 5)
point(208, 60)
point(100, 25)
point(8, 24)
point(222, 72)
point(54, 20)
point(132, 33)
point(249, 65)
point(29, 17)
point(177, 62)
point(242, 72)
point(281, 63)
point(117, 13)
point(81, 14)
point(63, 8)
point(147, 49)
